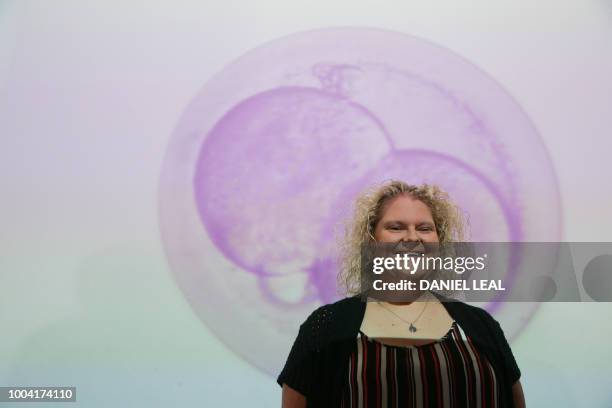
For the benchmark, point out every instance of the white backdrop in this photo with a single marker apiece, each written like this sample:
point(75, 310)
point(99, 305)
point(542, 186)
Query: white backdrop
point(89, 95)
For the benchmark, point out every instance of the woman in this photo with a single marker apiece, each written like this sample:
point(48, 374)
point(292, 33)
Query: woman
point(425, 353)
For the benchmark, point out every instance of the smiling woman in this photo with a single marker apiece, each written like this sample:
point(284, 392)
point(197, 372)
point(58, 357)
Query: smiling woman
point(431, 352)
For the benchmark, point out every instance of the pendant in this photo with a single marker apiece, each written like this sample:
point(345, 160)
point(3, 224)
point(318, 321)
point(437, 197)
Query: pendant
point(412, 329)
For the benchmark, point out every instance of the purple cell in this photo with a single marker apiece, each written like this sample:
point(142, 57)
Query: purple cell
point(270, 168)
point(265, 162)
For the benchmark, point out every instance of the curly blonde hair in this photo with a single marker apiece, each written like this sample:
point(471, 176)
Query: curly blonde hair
point(369, 208)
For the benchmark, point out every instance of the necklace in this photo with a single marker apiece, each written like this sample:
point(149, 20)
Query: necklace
point(412, 328)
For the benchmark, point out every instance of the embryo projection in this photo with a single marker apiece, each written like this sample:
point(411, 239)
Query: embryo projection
point(264, 164)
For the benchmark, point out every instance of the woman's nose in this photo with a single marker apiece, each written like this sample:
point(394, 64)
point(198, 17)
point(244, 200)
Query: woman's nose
point(411, 235)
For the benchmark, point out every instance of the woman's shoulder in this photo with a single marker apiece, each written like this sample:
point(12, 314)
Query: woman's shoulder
point(334, 320)
point(328, 313)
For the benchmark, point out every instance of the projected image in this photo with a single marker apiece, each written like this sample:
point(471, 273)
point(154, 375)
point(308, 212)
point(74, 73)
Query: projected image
point(265, 163)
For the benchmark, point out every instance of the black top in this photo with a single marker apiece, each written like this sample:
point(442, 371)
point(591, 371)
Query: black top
point(317, 365)
point(446, 373)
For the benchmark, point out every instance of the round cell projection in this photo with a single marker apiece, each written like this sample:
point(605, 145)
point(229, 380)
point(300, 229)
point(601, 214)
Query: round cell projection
point(264, 165)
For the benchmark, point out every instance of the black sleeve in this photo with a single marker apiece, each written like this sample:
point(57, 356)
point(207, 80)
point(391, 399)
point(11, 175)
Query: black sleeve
point(513, 371)
point(301, 365)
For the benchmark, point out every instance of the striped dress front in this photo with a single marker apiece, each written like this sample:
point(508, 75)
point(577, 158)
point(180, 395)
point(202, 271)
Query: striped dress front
point(447, 373)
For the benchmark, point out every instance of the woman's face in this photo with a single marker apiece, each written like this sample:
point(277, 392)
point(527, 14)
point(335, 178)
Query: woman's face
point(406, 218)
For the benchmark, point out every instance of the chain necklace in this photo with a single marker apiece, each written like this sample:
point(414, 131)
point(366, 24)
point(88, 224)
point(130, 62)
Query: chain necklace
point(412, 328)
